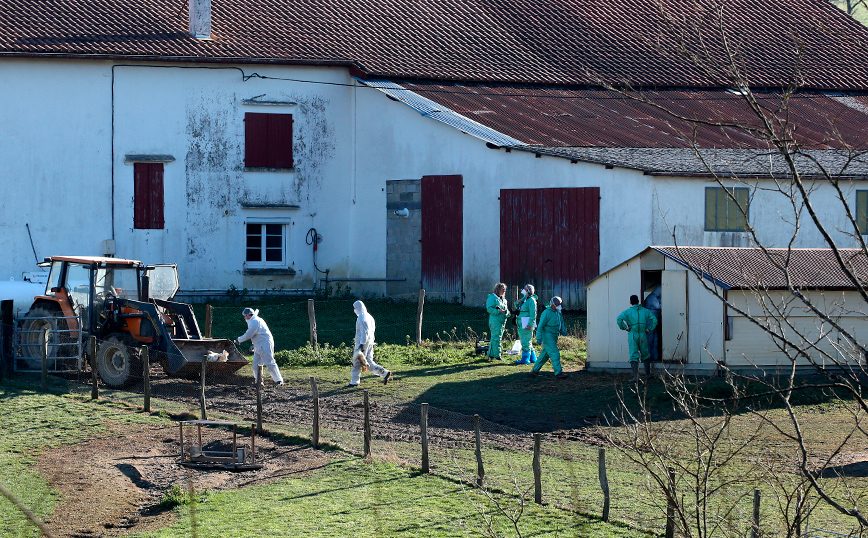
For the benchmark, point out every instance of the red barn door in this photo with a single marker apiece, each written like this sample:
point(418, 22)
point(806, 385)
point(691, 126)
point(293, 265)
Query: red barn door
point(443, 236)
point(551, 239)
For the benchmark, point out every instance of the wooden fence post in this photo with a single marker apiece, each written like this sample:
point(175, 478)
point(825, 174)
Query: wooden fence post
point(94, 388)
point(480, 470)
point(419, 310)
point(202, 389)
point(7, 328)
point(537, 469)
point(252, 443)
point(670, 505)
point(423, 427)
point(604, 483)
point(146, 374)
point(209, 319)
point(315, 392)
point(367, 426)
point(755, 523)
point(311, 317)
point(43, 385)
point(259, 399)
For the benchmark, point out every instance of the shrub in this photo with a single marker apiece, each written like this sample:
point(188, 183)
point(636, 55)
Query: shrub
point(178, 496)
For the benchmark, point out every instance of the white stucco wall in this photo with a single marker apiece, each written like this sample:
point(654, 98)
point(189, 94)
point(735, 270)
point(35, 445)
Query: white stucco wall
point(68, 125)
point(54, 145)
point(65, 153)
point(679, 205)
point(399, 143)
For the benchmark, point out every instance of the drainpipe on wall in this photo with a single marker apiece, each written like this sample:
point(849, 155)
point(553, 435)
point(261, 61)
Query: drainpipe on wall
point(200, 19)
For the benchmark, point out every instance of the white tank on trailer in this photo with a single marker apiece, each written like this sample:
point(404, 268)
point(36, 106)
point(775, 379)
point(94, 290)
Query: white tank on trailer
point(21, 292)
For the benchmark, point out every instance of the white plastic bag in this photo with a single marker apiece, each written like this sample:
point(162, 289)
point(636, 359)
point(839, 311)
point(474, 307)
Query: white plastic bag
point(516, 348)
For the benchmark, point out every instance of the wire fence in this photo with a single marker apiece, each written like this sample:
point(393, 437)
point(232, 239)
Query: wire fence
point(569, 467)
point(397, 322)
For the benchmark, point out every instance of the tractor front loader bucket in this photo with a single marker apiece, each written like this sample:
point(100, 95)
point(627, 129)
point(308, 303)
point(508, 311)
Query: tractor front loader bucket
point(195, 351)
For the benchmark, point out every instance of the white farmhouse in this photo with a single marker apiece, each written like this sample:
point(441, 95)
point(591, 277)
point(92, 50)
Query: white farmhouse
point(737, 307)
point(280, 144)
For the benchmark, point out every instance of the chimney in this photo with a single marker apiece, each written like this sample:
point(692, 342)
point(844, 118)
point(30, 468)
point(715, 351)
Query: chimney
point(200, 18)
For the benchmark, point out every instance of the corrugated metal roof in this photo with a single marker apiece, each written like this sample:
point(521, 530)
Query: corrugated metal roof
point(553, 117)
point(438, 112)
point(752, 268)
point(580, 42)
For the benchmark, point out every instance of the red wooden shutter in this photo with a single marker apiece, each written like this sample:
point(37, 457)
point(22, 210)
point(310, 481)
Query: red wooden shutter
point(148, 196)
point(255, 140)
point(280, 140)
point(268, 140)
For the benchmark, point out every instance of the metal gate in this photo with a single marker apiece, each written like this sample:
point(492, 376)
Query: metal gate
point(551, 238)
point(443, 237)
point(64, 349)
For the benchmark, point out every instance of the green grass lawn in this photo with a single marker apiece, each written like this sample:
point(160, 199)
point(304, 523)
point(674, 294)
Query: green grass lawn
point(354, 497)
point(385, 496)
point(336, 322)
point(32, 422)
point(348, 495)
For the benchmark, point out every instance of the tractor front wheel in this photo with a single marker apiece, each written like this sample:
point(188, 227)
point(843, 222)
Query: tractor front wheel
point(33, 337)
point(118, 365)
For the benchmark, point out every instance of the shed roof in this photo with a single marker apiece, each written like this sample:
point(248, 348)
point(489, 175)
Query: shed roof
point(752, 268)
point(577, 42)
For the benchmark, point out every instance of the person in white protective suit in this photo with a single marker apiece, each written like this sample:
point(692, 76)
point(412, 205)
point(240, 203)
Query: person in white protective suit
point(263, 345)
point(365, 344)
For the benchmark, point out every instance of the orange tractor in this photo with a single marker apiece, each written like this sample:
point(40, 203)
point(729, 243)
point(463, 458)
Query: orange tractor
point(126, 305)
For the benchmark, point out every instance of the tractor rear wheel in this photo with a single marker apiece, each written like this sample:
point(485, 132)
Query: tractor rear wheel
point(118, 365)
point(37, 320)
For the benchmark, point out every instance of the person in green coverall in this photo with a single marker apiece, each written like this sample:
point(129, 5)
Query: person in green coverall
point(551, 325)
point(526, 323)
point(638, 321)
point(497, 312)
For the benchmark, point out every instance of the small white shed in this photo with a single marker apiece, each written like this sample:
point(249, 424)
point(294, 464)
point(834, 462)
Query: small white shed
point(698, 330)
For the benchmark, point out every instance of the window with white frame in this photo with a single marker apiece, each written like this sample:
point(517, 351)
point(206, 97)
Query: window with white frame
point(266, 244)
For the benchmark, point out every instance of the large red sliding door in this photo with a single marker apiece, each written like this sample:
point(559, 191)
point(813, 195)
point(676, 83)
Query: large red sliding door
point(443, 236)
point(551, 239)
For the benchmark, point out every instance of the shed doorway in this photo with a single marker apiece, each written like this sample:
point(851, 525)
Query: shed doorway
point(652, 299)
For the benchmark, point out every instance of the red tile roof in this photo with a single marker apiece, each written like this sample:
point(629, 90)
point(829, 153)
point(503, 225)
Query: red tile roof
point(570, 42)
point(751, 268)
point(552, 117)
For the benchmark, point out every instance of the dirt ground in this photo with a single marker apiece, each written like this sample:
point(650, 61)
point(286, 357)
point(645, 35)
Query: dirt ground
point(113, 486)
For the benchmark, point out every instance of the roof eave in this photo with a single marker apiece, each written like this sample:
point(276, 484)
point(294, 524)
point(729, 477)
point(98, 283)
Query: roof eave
point(185, 59)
